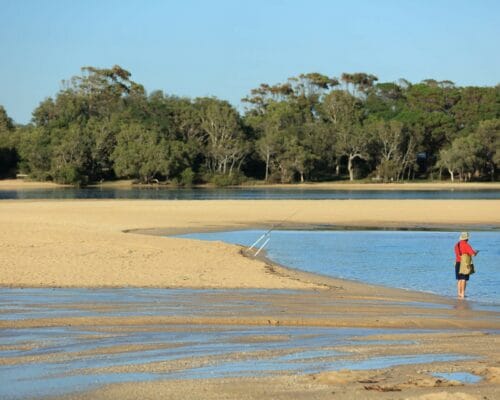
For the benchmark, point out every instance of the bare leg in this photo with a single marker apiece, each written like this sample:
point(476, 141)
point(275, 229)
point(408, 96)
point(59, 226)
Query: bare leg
point(458, 287)
point(463, 290)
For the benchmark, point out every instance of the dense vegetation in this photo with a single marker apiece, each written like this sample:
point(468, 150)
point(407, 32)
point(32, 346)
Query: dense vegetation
point(102, 125)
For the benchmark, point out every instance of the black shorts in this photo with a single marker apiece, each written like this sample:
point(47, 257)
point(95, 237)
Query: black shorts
point(459, 276)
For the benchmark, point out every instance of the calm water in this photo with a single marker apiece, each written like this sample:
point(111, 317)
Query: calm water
point(422, 261)
point(243, 193)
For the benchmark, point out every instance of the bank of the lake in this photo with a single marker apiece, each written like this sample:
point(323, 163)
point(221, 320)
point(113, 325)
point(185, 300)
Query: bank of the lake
point(26, 184)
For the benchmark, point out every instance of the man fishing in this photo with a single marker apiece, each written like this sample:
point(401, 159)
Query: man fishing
point(462, 247)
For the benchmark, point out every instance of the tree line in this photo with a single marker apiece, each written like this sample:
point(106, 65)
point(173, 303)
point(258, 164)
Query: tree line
point(102, 125)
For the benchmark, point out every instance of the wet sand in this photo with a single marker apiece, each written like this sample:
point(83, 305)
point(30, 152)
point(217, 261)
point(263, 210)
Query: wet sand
point(173, 356)
point(94, 243)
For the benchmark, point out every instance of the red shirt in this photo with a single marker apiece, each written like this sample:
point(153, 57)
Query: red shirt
point(465, 248)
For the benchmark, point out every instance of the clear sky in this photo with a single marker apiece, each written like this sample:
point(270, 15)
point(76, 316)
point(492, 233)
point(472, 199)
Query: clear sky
point(225, 48)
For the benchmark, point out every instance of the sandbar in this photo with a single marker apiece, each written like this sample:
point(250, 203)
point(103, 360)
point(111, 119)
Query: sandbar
point(119, 243)
point(99, 243)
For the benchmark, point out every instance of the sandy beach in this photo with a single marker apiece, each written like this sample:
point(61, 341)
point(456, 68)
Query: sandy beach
point(118, 243)
point(98, 243)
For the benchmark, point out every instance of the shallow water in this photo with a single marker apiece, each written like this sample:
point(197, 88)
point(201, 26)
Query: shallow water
point(416, 260)
point(64, 359)
point(243, 193)
point(18, 304)
point(311, 365)
point(464, 377)
point(297, 350)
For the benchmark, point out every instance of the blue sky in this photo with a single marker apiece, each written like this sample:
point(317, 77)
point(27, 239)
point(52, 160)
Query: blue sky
point(225, 48)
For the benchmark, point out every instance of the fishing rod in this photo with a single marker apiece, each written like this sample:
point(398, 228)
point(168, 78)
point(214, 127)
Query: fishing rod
point(267, 235)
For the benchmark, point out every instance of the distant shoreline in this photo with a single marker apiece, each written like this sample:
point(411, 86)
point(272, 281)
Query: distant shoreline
point(22, 184)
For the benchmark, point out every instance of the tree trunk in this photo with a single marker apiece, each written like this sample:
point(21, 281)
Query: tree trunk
point(350, 168)
point(451, 175)
point(268, 156)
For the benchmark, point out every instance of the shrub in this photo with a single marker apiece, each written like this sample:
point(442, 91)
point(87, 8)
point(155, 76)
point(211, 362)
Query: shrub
point(226, 180)
point(69, 175)
point(187, 177)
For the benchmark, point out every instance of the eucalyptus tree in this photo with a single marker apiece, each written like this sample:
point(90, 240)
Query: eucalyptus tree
point(87, 111)
point(385, 100)
point(103, 89)
point(279, 143)
point(344, 113)
point(70, 155)
point(35, 149)
point(102, 124)
point(434, 106)
point(260, 98)
point(225, 143)
point(286, 119)
point(359, 83)
point(307, 91)
point(449, 159)
point(395, 148)
point(140, 154)
point(267, 127)
point(108, 94)
point(488, 134)
point(476, 104)
point(284, 136)
point(462, 157)
point(177, 121)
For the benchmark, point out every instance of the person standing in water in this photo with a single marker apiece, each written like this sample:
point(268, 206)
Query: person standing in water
point(462, 247)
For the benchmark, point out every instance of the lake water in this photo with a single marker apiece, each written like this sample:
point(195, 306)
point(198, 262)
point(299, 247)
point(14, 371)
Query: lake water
point(416, 260)
point(244, 194)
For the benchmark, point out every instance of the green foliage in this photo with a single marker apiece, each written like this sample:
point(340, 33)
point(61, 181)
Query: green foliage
point(223, 136)
point(67, 174)
point(222, 180)
point(187, 177)
point(389, 170)
point(9, 156)
point(70, 156)
point(103, 125)
point(140, 154)
point(488, 134)
point(36, 152)
point(463, 157)
point(476, 104)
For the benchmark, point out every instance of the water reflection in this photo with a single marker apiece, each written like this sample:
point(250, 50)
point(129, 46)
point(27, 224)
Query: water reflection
point(164, 193)
point(463, 308)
